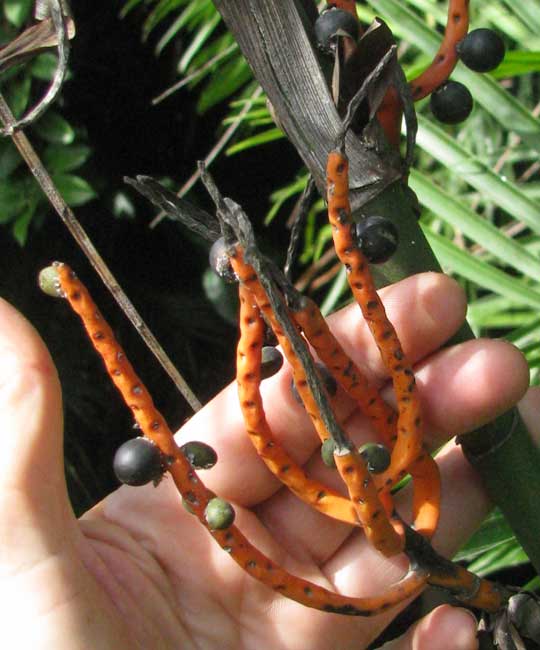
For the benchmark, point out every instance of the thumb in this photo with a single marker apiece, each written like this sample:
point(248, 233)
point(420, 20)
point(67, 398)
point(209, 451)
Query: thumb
point(444, 628)
point(35, 513)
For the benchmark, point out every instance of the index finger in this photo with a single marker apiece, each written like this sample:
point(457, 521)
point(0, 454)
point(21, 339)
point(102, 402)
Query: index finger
point(425, 309)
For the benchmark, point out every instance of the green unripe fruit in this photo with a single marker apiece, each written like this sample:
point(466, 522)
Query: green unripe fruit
point(219, 514)
point(199, 454)
point(49, 282)
point(377, 457)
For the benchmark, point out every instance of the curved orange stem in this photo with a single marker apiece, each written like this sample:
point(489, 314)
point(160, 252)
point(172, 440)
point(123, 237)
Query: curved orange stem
point(154, 426)
point(446, 58)
point(278, 461)
point(369, 509)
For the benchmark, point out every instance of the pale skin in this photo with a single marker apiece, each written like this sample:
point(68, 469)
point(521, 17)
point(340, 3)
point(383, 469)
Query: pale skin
point(137, 571)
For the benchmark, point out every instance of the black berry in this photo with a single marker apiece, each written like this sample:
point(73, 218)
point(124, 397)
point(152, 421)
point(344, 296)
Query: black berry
point(219, 514)
point(377, 238)
point(377, 457)
point(331, 24)
point(199, 454)
point(481, 50)
point(220, 263)
point(451, 103)
point(137, 462)
point(271, 361)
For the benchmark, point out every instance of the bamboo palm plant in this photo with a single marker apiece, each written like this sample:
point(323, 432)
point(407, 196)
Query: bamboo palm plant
point(477, 183)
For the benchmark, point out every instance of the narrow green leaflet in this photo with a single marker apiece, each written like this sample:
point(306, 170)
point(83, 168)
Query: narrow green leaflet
point(517, 63)
point(260, 138)
point(75, 190)
point(60, 158)
point(484, 275)
point(493, 532)
point(449, 152)
point(199, 39)
point(460, 217)
point(528, 11)
point(333, 297)
point(17, 11)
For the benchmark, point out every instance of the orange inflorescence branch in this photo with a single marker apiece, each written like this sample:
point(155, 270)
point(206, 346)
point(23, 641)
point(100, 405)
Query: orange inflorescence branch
point(408, 453)
point(193, 490)
point(408, 445)
point(278, 461)
point(446, 58)
point(363, 495)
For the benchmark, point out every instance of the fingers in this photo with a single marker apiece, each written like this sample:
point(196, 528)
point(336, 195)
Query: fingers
point(426, 310)
point(312, 535)
point(445, 628)
point(470, 385)
point(33, 497)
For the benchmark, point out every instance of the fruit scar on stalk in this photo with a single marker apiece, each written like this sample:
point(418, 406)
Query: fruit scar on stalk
point(408, 453)
point(382, 533)
point(426, 484)
point(193, 490)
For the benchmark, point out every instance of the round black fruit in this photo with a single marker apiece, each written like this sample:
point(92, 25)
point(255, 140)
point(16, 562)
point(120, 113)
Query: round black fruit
point(481, 50)
point(331, 24)
point(451, 103)
point(137, 462)
point(377, 238)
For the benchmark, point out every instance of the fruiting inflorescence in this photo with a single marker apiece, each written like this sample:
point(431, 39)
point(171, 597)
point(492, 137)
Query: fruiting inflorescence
point(481, 50)
point(451, 103)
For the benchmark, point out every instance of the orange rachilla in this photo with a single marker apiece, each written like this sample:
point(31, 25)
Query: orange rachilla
point(191, 487)
point(426, 566)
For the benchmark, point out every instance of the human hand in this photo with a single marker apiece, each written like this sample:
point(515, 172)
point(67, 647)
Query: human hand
point(138, 570)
